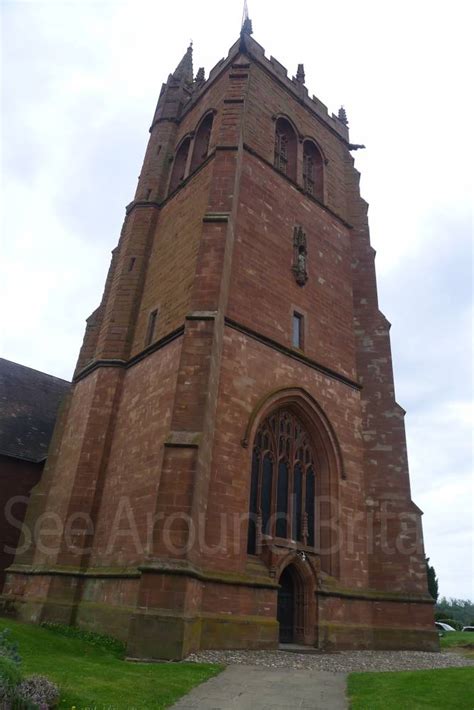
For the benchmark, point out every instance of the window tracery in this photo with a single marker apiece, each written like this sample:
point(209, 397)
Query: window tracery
point(285, 148)
point(283, 484)
point(312, 170)
point(201, 141)
point(179, 165)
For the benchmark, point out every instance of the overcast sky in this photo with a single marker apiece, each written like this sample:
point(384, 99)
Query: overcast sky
point(80, 82)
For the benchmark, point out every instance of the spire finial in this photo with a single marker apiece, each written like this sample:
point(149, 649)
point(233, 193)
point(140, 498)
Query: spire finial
point(246, 21)
point(300, 74)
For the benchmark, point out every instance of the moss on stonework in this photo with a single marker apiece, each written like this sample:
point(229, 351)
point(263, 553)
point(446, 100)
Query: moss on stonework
point(64, 605)
point(340, 636)
point(75, 571)
point(244, 619)
point(161, 567)
point(185, 569)
point(332, 588)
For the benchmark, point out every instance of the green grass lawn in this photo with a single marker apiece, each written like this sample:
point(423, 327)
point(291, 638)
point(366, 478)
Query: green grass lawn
point(91, 677)
point(458, 642)
point(456, 638)
point(445, 689)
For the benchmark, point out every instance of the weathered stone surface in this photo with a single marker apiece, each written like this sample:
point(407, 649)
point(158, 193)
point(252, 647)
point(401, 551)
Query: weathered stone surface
point(153, 456)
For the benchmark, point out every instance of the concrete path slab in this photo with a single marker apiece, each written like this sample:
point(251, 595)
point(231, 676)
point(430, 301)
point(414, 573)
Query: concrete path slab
point(241, 687)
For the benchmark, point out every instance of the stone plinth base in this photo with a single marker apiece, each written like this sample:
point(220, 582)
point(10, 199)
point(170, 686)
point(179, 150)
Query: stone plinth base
point(222, 613)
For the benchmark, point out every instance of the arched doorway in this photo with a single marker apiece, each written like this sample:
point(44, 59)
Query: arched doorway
point(295, 467)
point(286, 607)
point(290, 607)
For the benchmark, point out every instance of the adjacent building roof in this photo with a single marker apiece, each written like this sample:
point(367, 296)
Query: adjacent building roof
point(29, 402)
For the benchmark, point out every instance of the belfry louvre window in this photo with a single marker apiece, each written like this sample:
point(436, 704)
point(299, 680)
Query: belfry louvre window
point(285, 148)
point(179, 165)
point(201, 141)
point(281, 152)
point(283, 485)
point(312, 170)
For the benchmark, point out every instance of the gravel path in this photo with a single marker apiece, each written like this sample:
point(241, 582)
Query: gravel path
point(342, 662)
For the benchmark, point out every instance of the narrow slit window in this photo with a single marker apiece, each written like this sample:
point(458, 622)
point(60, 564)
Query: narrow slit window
point(297, 339)
point(150, 333)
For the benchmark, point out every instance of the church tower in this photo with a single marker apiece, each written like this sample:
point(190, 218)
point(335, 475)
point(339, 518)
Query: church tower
point(229, 469)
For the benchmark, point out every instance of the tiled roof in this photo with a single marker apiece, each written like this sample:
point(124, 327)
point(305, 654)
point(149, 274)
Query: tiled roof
point(29, 402)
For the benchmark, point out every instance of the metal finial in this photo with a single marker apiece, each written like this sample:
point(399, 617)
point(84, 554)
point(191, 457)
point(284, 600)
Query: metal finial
point(246, 21)
point(245, 13)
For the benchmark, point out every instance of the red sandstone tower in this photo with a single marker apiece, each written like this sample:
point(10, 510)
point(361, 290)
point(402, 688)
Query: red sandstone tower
point(230, 467)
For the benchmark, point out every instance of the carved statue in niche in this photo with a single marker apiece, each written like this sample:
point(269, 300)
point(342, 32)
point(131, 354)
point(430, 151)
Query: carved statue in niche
point(300, 255)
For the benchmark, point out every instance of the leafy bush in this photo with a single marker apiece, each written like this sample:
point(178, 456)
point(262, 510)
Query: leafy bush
point(8, 648)
point(108, 643)
point(18, 693)
point(10, 677)
point(38, 691)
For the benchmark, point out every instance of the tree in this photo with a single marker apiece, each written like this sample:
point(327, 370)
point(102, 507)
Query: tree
point(462, 610)
point(432, 580)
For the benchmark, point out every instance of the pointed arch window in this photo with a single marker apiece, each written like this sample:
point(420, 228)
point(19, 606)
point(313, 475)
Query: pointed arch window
point(285, 148)
point(179, 165)
point(283, 483)
point(312, 170)
point(201, 141)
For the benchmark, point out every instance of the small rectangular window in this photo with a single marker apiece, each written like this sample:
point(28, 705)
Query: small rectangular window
point(150, 333)
point(297, 339)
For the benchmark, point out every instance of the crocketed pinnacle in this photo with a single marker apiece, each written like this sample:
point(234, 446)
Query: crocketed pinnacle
point(184, 70)
point(247, 26)
point(342, 116)
point(200, 78)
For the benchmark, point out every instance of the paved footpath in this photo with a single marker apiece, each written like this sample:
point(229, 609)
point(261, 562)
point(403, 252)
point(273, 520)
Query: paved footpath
point(241, 687)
